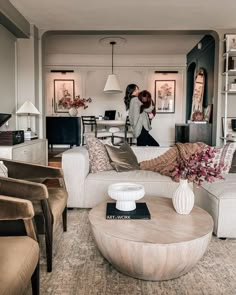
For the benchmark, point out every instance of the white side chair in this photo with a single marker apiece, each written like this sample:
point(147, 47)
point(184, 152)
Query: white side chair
point(89, 122)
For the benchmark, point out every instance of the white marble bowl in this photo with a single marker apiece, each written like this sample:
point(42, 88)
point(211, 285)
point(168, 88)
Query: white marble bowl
point(126, 194)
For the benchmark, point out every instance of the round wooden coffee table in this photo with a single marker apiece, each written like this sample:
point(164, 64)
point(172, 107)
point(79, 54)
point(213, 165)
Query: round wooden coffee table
point(162, 248)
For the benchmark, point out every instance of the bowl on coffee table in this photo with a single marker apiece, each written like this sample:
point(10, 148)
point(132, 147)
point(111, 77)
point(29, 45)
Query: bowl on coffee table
point(126, 194)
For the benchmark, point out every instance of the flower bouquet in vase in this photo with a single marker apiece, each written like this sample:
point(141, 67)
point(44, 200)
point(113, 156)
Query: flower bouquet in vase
point(197, 168)
point(73, 104)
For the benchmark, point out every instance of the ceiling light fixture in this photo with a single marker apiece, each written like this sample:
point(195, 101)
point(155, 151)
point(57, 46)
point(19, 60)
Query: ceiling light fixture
point(112, 84)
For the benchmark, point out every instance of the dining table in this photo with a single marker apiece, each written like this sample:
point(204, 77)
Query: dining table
point(110, 123)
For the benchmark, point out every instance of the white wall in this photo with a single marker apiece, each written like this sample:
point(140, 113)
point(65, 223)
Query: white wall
point(27, 77)
point(90, 74)
point(7, 76)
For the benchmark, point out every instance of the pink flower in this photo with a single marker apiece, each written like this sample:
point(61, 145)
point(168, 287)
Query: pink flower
point(77, 102)
point(200, 167)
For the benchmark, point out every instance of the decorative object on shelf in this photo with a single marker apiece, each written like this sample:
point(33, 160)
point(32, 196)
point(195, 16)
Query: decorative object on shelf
point(72, 105)
point(64, 92)
point(230, 42)
point(197, 116)
point(233, 124)
point(198, 93)
point(197, 168)
point(126, 194)
point(165, 96)
point(207, 113)
point(28, 109)
point(230, 131)
point(183, 198)
point(232, 86)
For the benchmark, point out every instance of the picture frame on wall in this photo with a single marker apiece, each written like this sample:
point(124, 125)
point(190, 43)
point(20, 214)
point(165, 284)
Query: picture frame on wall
point(165, 96)
point(64, 91)
point(230, 131)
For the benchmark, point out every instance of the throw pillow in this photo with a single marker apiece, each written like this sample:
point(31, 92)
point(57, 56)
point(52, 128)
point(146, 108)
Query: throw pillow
point(122, 158)
point(3, 170)
point(225, 155)
point(99, 160)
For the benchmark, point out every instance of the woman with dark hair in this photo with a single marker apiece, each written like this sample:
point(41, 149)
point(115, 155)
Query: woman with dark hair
point(132, 90)
point(138, 115)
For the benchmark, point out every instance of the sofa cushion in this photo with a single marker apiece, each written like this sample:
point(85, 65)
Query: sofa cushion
point(96, 185)
point(99, 160)
point(122, 158)
point(222, 188)
point(225, 155)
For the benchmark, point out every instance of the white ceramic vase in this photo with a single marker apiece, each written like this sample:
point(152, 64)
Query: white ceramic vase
point(73, 112)
point(183, 198)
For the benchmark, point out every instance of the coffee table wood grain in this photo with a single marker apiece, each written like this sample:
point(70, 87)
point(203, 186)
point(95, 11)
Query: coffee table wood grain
point(163, 248)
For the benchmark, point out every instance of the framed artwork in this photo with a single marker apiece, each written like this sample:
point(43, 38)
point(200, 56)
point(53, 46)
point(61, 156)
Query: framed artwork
point(64, 90)
point(165, 96)
point(230, 131)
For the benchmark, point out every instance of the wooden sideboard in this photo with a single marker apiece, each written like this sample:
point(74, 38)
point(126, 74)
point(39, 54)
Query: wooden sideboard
point(63, 130)
point(31, 151)
point(193, 132)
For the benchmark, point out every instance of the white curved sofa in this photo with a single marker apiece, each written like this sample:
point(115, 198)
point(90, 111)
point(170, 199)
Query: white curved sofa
point(86, 190)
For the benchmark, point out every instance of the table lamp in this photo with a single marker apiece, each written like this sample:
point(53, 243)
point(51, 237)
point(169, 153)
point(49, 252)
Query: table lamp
point(28, 109)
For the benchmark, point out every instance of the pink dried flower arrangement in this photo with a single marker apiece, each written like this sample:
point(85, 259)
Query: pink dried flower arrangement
point(77, 102)
point(200, 167)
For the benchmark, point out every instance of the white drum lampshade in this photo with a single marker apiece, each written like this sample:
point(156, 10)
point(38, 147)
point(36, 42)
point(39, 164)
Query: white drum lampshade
point(112, 85)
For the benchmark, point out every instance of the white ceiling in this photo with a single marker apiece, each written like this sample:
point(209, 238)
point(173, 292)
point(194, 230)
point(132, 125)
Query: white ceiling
point(129, 14)
point(135, 44)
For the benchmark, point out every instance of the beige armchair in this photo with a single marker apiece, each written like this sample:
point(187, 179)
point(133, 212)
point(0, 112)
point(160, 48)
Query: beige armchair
point(19, 255)
point(50, 203)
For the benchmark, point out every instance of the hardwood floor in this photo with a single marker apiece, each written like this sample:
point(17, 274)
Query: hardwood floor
point(55, 156)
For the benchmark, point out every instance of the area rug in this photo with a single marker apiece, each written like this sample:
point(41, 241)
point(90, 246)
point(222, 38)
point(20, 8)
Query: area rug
point(79, 268)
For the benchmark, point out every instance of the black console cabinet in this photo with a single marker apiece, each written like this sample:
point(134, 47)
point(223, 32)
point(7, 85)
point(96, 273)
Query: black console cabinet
point(193, 132)
point(63, 130)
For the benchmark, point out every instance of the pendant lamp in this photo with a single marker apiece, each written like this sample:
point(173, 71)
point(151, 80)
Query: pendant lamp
point(112, 84)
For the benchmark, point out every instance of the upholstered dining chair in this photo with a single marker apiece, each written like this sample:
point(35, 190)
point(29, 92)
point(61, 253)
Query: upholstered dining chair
point(89, 128)
point(126, 135)
point(19, 255)
point(27, 181)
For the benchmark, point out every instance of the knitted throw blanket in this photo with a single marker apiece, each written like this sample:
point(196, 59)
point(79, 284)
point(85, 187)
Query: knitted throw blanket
point(166, 163)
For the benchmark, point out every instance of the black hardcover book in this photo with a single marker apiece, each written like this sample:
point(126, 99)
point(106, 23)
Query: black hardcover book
point(141, 212)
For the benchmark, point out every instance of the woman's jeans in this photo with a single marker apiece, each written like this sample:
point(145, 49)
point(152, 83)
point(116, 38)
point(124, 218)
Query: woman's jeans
point(146, 139)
